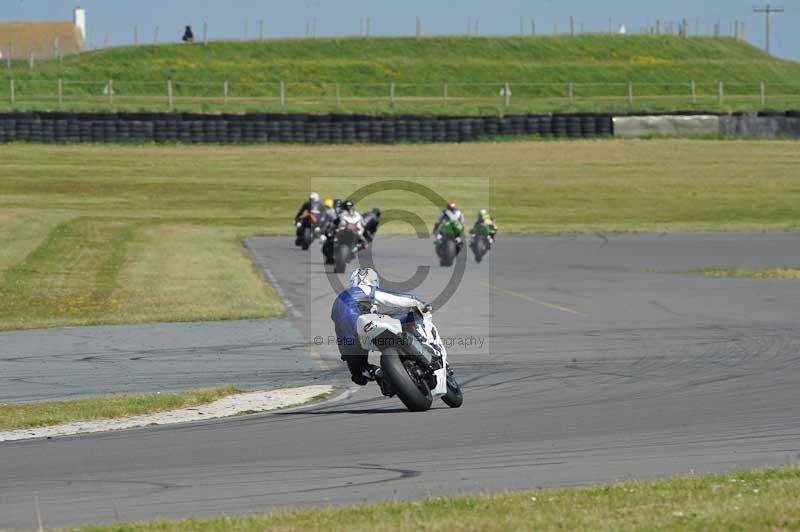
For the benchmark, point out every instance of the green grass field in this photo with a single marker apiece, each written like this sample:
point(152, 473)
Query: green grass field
point(33, 415)
point(539, 70)
point(126, 234)
point(762, 500)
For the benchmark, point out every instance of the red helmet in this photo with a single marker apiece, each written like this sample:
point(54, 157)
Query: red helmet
point(451, 205)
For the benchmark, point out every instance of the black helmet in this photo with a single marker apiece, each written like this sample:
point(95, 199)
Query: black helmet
point(376, 212)
point(347, 205)
point(337, 204)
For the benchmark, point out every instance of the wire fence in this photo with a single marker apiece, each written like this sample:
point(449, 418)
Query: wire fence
point(280, 94)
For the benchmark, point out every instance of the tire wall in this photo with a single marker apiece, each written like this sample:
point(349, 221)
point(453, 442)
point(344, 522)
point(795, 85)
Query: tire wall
point(308, 129)
point(761, 126)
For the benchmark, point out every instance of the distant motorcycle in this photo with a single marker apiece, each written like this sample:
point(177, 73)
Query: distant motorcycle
point(308, 229)
point(346, 241)
point(413, 359)
point(448, 242)
point(482, 240)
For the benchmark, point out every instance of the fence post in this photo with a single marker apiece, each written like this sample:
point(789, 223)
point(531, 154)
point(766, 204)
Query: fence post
point(110, 92)
point(419, 27)
point(225, 93)
point(169, 93)
point(135, 34)
point(571, 94)
point(694, 93)
point(60, 92)
point(247, 27)
point(444, 94)
point(630, 94)
point(10, 54)
point(572, 25)
point(338, 95)
point(30, 59)
point(205, 33)
point(522, 26)
point(720, 93)
point(283, 93)
point(763, 95)
point(11, 92)
point(155, 35)
point(391, 94)
point(261, 29)
point(506, 94)
point(533, 27)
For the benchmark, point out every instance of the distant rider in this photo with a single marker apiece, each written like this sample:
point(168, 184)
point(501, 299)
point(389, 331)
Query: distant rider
point(312, 206)
point(364, 297)
point(371, 221)
point(346, 214)
point(485, 220)
point(451, 214)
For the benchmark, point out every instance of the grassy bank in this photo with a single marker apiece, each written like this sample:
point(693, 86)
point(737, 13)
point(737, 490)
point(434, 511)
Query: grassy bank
point(126, 234)
point(539, 70)
point(33, 415)
point(764, 500)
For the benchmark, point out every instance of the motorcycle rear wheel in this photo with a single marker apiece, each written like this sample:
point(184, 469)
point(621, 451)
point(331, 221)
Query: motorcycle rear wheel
point(413, 392)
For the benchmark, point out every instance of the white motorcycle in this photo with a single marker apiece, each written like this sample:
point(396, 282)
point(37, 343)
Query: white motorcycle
point(413, 360)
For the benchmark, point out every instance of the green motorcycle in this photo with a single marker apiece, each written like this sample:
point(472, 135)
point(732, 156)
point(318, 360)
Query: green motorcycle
point(448, 242)
point(482, 240)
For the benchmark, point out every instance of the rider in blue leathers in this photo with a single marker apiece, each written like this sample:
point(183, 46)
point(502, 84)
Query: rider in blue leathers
point(364, 297)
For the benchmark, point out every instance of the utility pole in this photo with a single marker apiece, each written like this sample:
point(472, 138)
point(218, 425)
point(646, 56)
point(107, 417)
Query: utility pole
point(768, 11)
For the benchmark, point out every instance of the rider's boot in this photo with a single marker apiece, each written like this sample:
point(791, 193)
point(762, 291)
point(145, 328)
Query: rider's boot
point(377, 375)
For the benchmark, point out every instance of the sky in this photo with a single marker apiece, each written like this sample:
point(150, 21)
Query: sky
point(113, 21)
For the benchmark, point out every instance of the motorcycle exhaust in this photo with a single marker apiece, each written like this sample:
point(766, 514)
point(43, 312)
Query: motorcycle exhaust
point(422, 352)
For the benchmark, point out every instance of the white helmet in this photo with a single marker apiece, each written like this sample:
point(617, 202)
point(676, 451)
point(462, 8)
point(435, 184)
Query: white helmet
point(364, 277)
point(313, 197)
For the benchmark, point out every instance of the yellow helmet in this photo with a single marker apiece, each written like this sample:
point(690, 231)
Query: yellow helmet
point(328, 203)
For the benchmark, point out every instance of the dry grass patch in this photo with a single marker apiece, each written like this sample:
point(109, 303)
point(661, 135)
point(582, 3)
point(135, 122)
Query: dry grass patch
point(33, 415)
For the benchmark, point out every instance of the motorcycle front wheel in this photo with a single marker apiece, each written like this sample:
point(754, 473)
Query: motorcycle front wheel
point(340, 258)
point(412, 390)
point(454, 397)
point(449, 252)
point(306, 238)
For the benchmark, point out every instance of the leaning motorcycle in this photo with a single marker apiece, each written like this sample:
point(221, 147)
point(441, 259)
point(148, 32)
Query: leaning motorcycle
point(307, 229)
point(482, 241)
point(413, 359)
point(448, 242)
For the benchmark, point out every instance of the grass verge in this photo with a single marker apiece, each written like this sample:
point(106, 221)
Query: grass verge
point(33, 415)
point(128, 234)
point(760, 500)
point(753, 273)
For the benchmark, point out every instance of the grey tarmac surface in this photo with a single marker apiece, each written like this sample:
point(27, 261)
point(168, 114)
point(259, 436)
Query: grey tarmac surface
point(76, 362)
point(602, 360)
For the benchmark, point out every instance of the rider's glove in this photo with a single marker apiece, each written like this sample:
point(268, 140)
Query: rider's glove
point(424, 309)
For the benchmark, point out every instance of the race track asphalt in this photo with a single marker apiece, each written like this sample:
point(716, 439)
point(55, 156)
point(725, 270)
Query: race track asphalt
point(602, 359)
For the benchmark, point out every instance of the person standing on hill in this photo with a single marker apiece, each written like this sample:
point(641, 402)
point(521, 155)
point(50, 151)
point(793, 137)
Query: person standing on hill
point(188, 36)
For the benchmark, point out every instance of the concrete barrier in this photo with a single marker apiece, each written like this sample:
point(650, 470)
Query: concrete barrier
point(666, 126)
